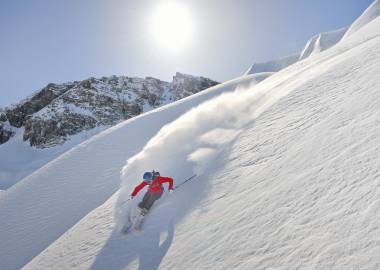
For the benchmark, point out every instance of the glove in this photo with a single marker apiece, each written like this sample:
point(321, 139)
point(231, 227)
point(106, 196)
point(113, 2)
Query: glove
point(170, 190)
point(131, 197)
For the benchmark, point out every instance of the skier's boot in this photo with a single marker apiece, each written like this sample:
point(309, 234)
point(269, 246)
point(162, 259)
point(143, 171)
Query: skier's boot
point(144, 211)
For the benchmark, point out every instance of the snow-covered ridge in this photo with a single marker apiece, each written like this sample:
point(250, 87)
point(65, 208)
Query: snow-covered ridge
point(273, 66)
point(371, 13)
point(315, 45)
point(319, 42)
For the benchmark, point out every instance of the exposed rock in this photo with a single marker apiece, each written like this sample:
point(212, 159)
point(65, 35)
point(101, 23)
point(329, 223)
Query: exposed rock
point(17, 114)
point(185, 85)
point(5, 134)
point(6, 131)
point(3, 116)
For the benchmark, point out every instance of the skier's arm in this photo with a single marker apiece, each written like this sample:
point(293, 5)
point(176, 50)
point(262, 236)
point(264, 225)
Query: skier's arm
point(167, 180)
point(138, 188)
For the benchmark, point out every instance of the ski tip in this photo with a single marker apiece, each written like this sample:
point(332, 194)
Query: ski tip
point(125, 229)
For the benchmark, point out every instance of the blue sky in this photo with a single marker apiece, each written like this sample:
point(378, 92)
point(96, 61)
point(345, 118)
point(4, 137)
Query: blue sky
point(46, 41)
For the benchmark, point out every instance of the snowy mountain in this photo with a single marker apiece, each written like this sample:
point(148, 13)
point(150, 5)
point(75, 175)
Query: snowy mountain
point(287, 177)
point(59, 116)
point(58, 111)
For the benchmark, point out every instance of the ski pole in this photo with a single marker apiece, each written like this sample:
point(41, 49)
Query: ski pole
point(187, 180)
point(125, 201)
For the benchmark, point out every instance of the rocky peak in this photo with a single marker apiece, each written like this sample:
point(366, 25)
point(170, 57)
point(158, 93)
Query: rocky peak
point(53, 114)
point(184, 85)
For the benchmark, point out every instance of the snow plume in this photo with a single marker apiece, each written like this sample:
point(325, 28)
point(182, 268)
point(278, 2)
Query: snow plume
point(193, 144)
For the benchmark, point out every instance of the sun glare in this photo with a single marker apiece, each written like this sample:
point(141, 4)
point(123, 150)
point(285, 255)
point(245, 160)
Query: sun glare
point(171, 26)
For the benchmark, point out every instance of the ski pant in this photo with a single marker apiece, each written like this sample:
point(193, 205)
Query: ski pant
point(149, 199)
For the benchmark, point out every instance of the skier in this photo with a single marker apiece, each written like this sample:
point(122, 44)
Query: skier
point(155, 190)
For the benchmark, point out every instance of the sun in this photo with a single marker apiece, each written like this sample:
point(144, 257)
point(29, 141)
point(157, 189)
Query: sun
point(171, 26)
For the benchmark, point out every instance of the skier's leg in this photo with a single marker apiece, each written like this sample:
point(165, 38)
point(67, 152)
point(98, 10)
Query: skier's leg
point(152, 198)
point(144, 201)
point(145, 205)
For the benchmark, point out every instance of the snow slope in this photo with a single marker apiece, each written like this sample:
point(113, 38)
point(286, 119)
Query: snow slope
point(37, 210)
point(288, 177)
point(22, 159)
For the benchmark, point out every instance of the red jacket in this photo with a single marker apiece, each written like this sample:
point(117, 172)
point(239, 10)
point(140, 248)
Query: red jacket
point(155, 185)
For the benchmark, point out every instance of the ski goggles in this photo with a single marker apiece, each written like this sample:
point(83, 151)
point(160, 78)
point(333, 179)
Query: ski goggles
point(148, 176)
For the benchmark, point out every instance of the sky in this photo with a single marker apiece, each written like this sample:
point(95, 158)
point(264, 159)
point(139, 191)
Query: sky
point(43, 41)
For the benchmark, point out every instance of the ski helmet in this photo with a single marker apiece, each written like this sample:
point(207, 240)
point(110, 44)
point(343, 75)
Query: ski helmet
point(148, 176)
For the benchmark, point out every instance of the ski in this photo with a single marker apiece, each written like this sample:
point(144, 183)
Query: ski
point(134, 223)
point(138, 222)
point(126, 227)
